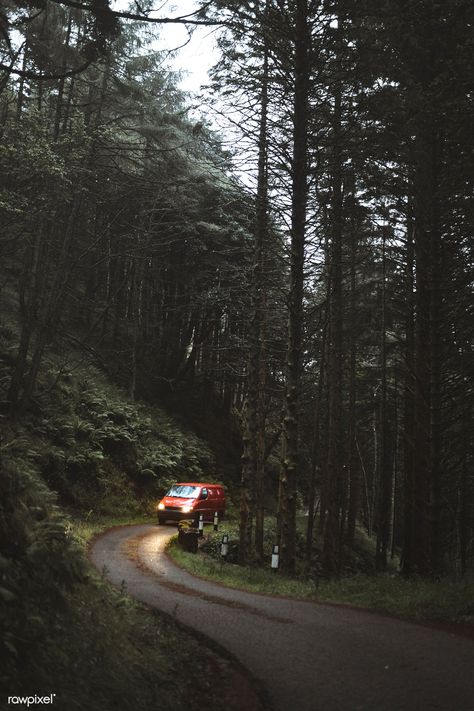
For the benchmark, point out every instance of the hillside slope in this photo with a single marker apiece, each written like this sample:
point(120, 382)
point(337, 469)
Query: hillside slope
point(81, 451)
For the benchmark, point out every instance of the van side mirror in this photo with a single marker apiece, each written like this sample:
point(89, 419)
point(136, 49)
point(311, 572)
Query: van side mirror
point(204, 494)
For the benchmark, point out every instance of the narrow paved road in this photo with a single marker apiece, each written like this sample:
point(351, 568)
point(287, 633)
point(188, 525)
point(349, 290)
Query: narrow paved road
point(310, 657)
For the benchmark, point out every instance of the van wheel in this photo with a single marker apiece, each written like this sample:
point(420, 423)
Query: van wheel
point(161, 521)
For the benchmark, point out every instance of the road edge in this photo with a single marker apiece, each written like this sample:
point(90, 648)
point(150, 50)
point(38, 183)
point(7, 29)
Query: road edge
point(459, 629)
point(258, 687)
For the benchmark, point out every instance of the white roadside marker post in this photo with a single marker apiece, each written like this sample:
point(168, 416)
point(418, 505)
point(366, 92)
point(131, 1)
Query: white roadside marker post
point(216, 520)
point(201, 525)
point(224, 546)
point(275, 558)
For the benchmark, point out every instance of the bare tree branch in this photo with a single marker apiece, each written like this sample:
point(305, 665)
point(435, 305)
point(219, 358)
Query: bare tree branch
point(180, 20)
point(28, 74)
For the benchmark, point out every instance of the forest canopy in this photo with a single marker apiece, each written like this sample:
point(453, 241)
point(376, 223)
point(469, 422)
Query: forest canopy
point(326, 310)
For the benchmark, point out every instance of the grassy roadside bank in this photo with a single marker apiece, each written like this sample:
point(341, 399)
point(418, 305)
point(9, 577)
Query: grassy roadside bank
point(86, 528)
point(417, 599)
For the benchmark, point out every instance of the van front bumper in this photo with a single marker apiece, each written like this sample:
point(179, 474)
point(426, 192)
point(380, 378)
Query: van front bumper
point(169, 514)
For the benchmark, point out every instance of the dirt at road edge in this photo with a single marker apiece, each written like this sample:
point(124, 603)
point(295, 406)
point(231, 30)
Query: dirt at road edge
point(232, 688)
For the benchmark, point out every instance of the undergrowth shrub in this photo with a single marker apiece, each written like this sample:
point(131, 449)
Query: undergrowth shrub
point(39, 563)
point(100, 451)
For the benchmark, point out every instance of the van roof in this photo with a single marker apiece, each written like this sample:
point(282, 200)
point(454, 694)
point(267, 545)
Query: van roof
point(196, 483)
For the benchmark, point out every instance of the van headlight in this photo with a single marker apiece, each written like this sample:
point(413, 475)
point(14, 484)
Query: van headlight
point(161, 506)
point(186, 509)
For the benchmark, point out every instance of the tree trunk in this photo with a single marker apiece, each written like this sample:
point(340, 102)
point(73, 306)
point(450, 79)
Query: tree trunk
point(409, 407)
point(247, 482)
point(315, 449)
point(252, 465)
point(61, 85)
point(427, 357)
point(352, 457)
point(331, 556)
point(259, 315)
point(287, 504)
point(384, 464)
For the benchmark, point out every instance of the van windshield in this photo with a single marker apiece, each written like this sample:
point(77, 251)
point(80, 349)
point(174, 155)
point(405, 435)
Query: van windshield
point(184, 492)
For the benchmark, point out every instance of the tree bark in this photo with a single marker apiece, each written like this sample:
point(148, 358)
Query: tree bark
point(259, 299)
point(384, 464)
point(287, 508)
point(315, 448)
point(352, 457)
point(331, 556)
point(409, 407)
point(427, 357)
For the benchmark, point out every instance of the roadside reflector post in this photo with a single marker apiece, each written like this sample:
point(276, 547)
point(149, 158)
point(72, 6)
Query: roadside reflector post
point(275, 558)
point(201, 525)
point(216, 520)
point(224, 545)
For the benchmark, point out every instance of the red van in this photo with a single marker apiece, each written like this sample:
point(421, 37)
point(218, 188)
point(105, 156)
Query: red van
point(190, 499)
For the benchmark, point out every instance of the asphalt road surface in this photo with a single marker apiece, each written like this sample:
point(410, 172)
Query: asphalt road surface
point(309, 656)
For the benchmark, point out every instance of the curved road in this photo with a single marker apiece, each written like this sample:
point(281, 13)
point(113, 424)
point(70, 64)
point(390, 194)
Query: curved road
point(310, 657)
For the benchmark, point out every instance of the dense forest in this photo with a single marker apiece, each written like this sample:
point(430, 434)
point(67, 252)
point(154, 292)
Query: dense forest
point(283, 303)
point(357, 122)
point(311, 286)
